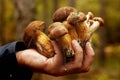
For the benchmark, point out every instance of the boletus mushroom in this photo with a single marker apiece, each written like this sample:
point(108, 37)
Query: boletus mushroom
point(60, 15)
point(59, 32)
point(35, 38)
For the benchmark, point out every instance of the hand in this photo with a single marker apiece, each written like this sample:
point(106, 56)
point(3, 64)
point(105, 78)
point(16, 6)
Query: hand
point(54, 65)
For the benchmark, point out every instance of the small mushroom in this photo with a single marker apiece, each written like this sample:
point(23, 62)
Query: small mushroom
point(96, 23)
point(35, 38)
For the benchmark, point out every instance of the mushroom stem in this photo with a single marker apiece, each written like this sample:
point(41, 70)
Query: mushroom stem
point(71, 30)
point(94, 27)
point(89, 16)
point(97, 22)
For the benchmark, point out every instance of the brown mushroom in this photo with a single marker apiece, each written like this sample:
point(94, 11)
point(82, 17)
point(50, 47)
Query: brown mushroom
point(61, 15)
point(35, 38)
point(77, 19)
point(58, 32)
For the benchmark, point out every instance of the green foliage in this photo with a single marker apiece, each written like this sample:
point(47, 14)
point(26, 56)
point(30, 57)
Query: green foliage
point(113, 19)
point(113, 51)
point(88, 5)
point(96, 40)
point(39, 10)
point(63, 3)
point(8, 26)
point(102, 76)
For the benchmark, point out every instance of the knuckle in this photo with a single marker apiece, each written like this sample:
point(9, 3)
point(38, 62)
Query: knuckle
point(80, 51)
point(78, 66)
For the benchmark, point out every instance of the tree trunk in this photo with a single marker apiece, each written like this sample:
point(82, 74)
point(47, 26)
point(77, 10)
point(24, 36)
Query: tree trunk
point(72, 3)
point(55, 5)
point(25, 13)
point(102, 33)
point(2, 23)
point(45, 11)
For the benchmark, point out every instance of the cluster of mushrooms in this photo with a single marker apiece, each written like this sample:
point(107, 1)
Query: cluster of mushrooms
point(68, 24)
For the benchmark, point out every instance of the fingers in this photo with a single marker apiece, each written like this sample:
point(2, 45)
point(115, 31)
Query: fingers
point(75, 65)
point(56, 48)
point(58, 67)
point(78, 51)
point(88, 57)
point(53, 64)
point(80, 65)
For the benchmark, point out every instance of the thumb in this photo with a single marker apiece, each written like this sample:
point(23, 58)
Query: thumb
point(58, 58)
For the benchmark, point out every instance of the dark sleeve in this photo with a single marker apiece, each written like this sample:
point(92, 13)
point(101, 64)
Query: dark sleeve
point(8, 62)
point(7, 52)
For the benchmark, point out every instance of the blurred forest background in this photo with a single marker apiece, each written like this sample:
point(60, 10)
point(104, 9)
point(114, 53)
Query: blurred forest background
point(16, 14)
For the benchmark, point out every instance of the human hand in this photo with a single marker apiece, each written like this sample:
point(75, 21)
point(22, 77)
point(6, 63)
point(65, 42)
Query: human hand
point(55, 65)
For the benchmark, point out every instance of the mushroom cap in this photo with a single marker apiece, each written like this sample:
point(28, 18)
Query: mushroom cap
point(76, 17)
point(30, 31)
point(57, 30)
point(62, 13)
point(100, 20)
point(82, 16)
point(91, 15)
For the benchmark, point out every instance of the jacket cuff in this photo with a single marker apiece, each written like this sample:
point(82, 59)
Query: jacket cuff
point(19, 46)
point(11, 48)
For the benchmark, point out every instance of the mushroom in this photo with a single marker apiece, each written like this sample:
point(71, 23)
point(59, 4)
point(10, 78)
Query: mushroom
point(77, 19)
point(58, 32)
point(35, 38)
point(96, 23)
point(85, 25)
point(61, 15)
